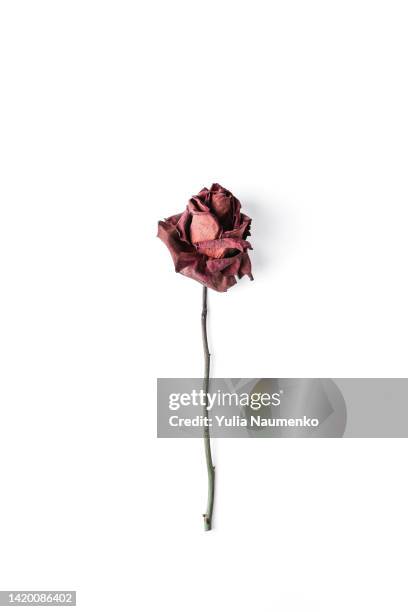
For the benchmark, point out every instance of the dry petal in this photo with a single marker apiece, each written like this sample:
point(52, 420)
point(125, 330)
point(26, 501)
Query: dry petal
point(203, 227)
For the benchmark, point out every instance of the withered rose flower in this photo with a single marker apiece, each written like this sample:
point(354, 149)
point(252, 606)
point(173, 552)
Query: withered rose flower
point(207, 241)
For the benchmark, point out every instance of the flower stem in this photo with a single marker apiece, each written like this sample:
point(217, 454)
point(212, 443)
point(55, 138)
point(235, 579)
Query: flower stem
point(206, 432)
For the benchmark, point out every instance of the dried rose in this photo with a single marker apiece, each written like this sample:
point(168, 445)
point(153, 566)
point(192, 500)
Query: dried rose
point(208, 240)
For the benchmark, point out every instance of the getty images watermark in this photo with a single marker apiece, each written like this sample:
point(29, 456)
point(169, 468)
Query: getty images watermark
point(250, 407)
point(284, 407)
point(253, 402)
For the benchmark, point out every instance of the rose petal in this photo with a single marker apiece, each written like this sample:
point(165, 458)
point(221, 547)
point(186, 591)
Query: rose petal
point(182, 254)
point(245, 267)
point(204, 226)
point(197, 204)
point(232, 263)
point(221, 204)
point(183, 226)
point(242, 230)
point(173, 220)
point(225, 206)
point(217, 281)
point(219, 248)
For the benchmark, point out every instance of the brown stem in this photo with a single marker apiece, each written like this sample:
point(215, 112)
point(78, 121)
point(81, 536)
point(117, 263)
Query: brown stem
point(206, 432)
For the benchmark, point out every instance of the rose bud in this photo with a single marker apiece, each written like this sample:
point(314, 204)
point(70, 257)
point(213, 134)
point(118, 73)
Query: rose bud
point(208, 240)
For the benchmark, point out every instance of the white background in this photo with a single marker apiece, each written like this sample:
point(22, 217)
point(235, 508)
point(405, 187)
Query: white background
point(112, 115)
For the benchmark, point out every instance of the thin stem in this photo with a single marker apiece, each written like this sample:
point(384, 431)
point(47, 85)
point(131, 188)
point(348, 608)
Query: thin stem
point(206, 432)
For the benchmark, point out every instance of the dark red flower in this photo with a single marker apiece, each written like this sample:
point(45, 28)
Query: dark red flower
point(207, 241)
